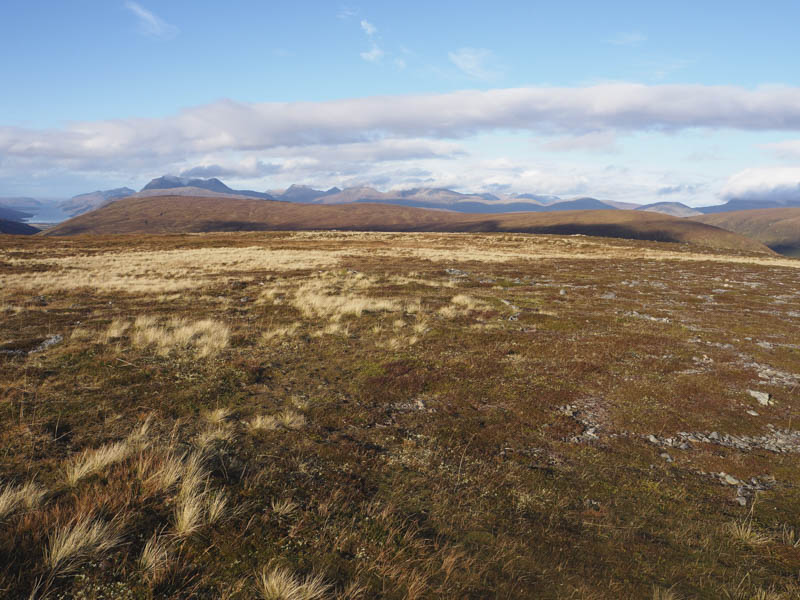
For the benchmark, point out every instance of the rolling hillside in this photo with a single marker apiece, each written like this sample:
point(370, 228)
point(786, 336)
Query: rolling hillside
point(16, 228)
point(777, 228)
point(182, 214)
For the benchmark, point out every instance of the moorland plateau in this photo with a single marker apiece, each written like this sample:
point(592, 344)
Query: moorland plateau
point(397, 415)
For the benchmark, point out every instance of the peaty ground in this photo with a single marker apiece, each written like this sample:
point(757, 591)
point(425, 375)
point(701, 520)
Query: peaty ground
point(347, 415)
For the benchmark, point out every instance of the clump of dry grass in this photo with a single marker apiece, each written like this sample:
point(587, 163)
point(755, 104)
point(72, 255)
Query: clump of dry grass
point(213, 438)
point(334, 300)
point(140, 437)
point(194, 475)
point(290, 419)
point(13, 498)
point(276, 334)
point(280, 584)
point(92, 461)
point(205, 337)
point(84, 538)
point(467, 302)
point(744, 532)
point(170, 470)
point(283, 507)
point(262, 423)
point(117, 329)
point(217, 508)
point(188, 514)
point(218, 415)
point(81, 334)
point(790, 537)
point(155, 560)
point(660, 593)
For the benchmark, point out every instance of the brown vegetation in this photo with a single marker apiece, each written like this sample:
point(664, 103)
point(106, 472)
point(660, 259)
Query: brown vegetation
point(363, 415)
point(778, 228)
point(181, 214)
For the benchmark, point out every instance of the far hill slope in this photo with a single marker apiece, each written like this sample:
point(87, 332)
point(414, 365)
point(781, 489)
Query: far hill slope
point(176, 214)
point(16, 228)
point(676, 209)
point(777, 228)
point(77, 205)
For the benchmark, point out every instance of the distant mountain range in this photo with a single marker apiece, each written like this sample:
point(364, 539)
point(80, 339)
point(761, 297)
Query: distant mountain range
point(29, 209)
point(175, 213)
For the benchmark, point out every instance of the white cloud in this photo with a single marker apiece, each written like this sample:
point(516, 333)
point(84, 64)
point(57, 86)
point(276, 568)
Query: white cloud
point(149, 23)
point(764, 184)
point(229, 126)
point(477, 63)
point(368, 27)
point(375, 54)
point(594, 141)
point(629, 38)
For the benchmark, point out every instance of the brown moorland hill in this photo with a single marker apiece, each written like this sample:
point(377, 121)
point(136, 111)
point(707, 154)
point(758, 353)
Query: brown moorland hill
point(182, 214)
point(777, 228)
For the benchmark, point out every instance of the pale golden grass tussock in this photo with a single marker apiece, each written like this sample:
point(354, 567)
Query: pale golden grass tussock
point(117, 328)
point(23, 497)
point(421, 327)
point(188, 514)
point(194, 475)
point(82, 334)
point(217, 506)
point(332, 329)
point(81, 540)
point(337, 298)
point(140, 436)
point(467, 302)
point(281, 584)
point(283, 507)
point(277, 334)
point(217, 416)
point(205, 337)
point(790, 537)
point(212, 438)
point(744, 532)
point(168, 473)
point(155, 560)
point(92, 461)
point(262, 423)
point(449, 311)
point(660, 593)
point(290, 419)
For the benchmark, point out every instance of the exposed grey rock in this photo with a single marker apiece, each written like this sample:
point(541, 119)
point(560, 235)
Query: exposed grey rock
point(764, 399)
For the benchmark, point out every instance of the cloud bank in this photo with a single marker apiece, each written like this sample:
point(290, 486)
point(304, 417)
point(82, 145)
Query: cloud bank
point(764, 184)
point(234, 126)
point(373, 137)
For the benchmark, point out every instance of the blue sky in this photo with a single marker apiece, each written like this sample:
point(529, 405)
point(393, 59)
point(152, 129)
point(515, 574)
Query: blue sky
point(686, 101)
